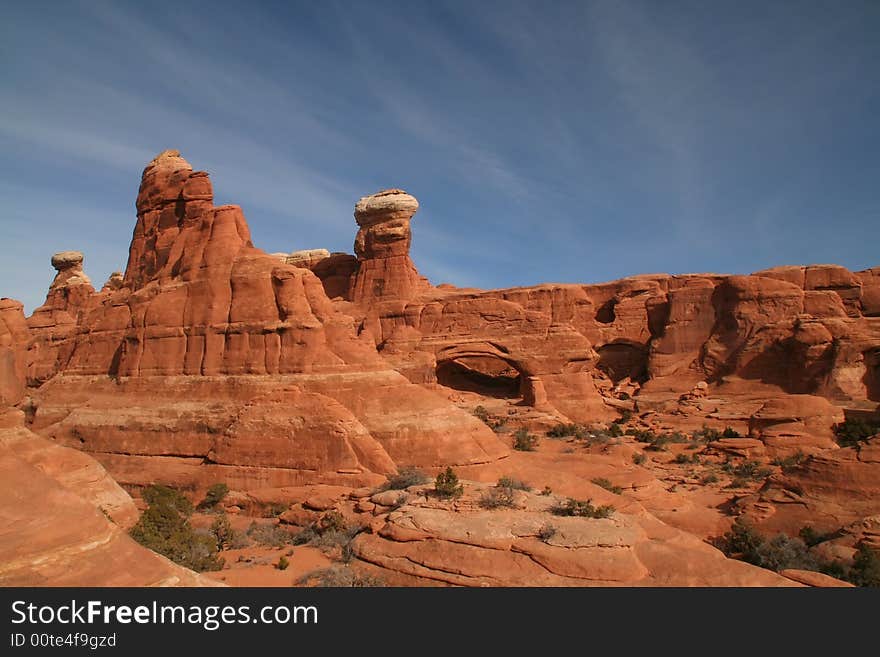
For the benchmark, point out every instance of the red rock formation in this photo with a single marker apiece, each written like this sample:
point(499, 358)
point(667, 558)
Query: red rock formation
point(233, 365)
point(64, 519)
point(209, 360)
point(382, 244)
point(14, 336)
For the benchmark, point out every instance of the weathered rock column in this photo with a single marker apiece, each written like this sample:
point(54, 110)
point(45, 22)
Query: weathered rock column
point(382, 244)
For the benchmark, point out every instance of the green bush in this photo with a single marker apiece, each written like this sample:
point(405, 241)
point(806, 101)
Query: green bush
point(729, 432)
point(515, 484)
point(583, 509)
point(683, 458)
point(214, 496)
point(746, 470)
point(625, 416)
point(866, 567)
point(407, 476)
point(481, 413)
point(854, 431)
point(639, 458)
point(777, 553)
point(446, 484)
point(497, 497)
point(565, 430)
point(164, 528)
point(283, 563)
point(524, 441)
point(602, 482)
point(811, 537)
point(657, 442)
point(710, 478)
point(159, 495)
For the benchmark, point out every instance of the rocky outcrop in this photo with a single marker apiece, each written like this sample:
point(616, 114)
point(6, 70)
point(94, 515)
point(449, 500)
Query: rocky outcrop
point(458, 543)
point(233, 365)
point(308, 258)
point(385, 270)
point(63, 521)
point(14, 337)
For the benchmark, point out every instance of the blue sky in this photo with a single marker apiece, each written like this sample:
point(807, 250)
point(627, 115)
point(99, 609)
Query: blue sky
point(546, 142)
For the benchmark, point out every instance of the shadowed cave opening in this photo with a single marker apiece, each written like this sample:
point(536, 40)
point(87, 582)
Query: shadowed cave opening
point(620, 360)
point(486, 375)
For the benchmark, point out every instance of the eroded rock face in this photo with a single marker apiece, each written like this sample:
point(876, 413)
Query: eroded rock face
point(209, 360)
point(382, 244)
point(64, 520)
point(14, 337)
point(203, 317)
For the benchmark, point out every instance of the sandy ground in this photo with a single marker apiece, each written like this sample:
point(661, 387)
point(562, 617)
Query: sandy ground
point(255, 566)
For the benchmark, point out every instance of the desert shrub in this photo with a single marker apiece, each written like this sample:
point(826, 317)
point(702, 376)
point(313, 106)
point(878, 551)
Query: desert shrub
point(706, 434)
point(329, 521)
point(494, 423)
point(746, 470)
point(304, 536)
point(524, 441)
point(783, 551)
point(625, 416)
point(778, 553)
point(222, 531)
point(607, 485)
point(446, 484)
point(865, 570)
point(567, 430)
point(164, 528)
point(812, 537)
point(790, 462)
point(329, 533)
point(854, 431)
point(274, 510)
point(546, 491)
point(738, 482)
point(214, 496)
point(283, 563)
point(710, 478)
point(583, 509)
point(269, 535)
point(615, 430)
point(338, 577)
point(510, 482)
point(639, 458)
point(407, 476)
point(501, 495)
point(645, 435)
point(657, 442)
point(481, 413)
point(730, 432)
point(683, 458)
point(546, 532)
point(497, 497)
point(159, 495)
